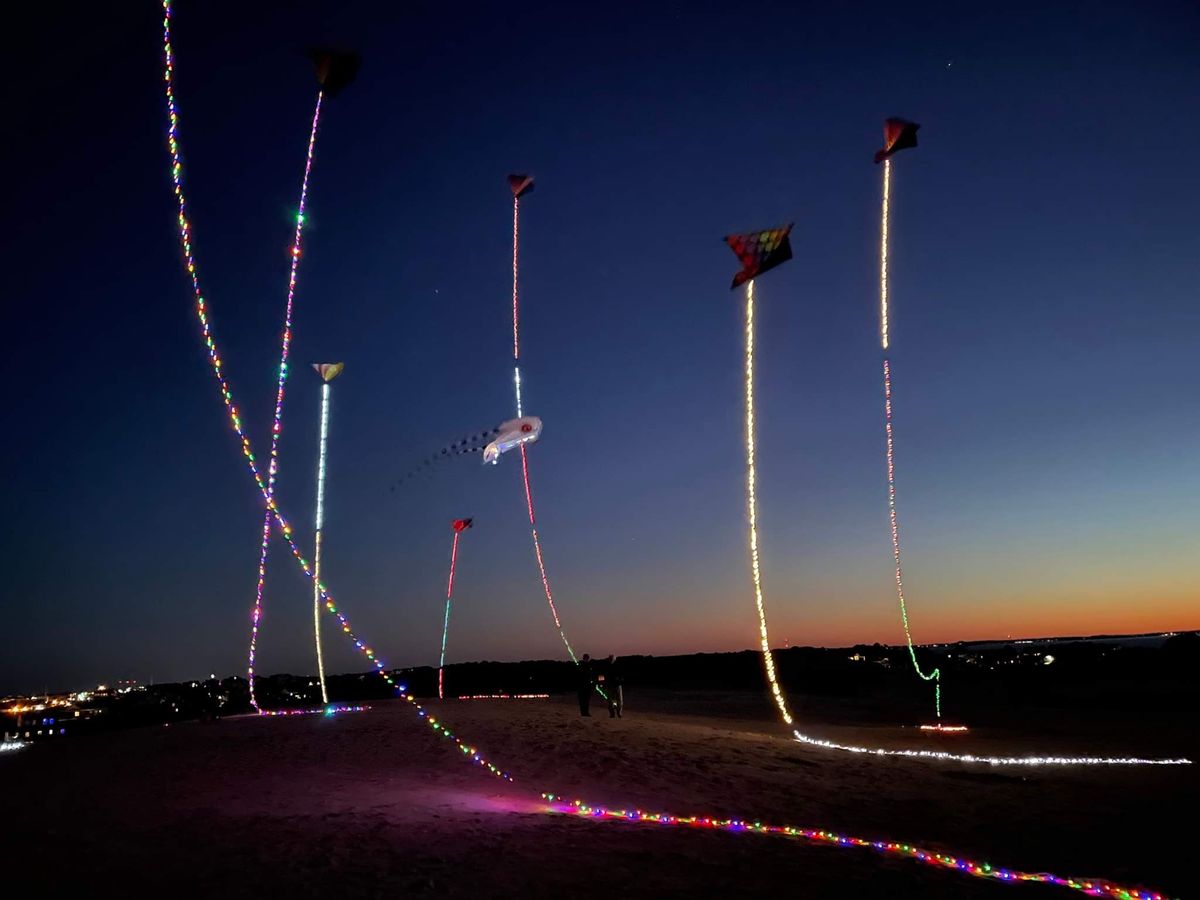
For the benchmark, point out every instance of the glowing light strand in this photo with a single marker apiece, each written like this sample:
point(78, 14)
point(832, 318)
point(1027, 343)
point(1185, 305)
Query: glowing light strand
point(764, 640)
point(185, 234)
point(471, 754)
point(1091, 886)
point(214, 357)
point(325, 710)
point(885, 214)
point(277, 420)
point(504, 697)
point(320, 524)
point(752, 511)
point(446, 619)
point(537, 542)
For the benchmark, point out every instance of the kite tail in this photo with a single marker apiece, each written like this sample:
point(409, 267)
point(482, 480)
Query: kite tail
point(935, 675)
point(752, 513)
point(885, 214)
point(214, 356)
point(277, 420)
point(320, 524)
point(446, 618)
point(537, 542)
point(472, 443)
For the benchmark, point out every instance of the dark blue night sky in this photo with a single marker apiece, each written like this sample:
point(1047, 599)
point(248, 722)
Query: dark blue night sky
point(1046, 325)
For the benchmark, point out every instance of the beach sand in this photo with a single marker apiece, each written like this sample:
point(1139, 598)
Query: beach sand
point(375, 805)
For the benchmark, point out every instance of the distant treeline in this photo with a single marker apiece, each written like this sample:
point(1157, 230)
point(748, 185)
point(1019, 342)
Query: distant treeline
point(860, 683)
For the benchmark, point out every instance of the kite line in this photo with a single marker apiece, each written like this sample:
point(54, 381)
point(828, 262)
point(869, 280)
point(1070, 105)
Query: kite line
point(898, 135)
point(214, 356)
point(459, 526)
point(328, 372)
point(760, 252)
point(277, 420)
point(523, 184)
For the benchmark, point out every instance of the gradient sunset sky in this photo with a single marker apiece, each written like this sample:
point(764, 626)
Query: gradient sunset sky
point(1045, 332)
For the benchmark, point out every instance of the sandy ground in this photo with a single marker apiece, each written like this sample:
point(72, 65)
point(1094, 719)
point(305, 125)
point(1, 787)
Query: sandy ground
point(374, 805)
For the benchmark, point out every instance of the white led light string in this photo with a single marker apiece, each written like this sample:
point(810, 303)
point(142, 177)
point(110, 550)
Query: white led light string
point(777, 693)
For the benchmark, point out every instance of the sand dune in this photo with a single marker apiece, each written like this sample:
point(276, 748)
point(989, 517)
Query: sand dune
point(373, 804)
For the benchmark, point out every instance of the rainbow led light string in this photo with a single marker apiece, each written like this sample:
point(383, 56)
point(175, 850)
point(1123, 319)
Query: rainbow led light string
point(458, 526)
point(201, 307)
point(470, 753)
point(277, 420)
point(325, 710)
point(1091, 886)
point(521, 184)
point(185, 236)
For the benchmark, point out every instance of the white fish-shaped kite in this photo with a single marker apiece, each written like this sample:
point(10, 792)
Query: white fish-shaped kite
point(512, 433)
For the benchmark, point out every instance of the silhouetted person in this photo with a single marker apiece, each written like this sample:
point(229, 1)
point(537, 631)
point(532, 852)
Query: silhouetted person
point(585, 684)
point(614, 681)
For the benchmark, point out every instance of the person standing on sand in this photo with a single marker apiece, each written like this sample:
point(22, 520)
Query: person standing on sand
point(584, 685)
point(613, 683)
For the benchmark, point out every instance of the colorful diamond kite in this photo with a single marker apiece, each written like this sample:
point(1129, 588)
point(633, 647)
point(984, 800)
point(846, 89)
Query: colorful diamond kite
point(759, 251)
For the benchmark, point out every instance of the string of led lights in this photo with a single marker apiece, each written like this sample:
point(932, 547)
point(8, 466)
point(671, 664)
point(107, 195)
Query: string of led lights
point(777, 693)
point(320, 524)
point(446, 619)
point(885, 214)
point(325, 710)
point(277, 420)
point(752, 510)
point(214, 357)
point(471, 753)
point(504, 697)
point(1092, 886)
point(537, 542)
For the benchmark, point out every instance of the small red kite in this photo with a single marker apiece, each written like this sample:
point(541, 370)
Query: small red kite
point(898, 134)
point(760, 251)
point(461, 525)
point(520, 184)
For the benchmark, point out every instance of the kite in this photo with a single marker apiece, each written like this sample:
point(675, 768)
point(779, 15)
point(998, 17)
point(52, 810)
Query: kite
point(898, 134)
point(459, 526)
point(335, 68)
point(513, 433)
point(328, 371)
point(520, 185)
point(759, 251)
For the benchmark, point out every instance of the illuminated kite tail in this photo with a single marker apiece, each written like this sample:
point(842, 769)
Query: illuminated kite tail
point(885, 215)
point(214, 358)
point(446, 618)
point(277, 419)
point(521, 184)
point(320, 526)
point(537, 550)
point(752, 513)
